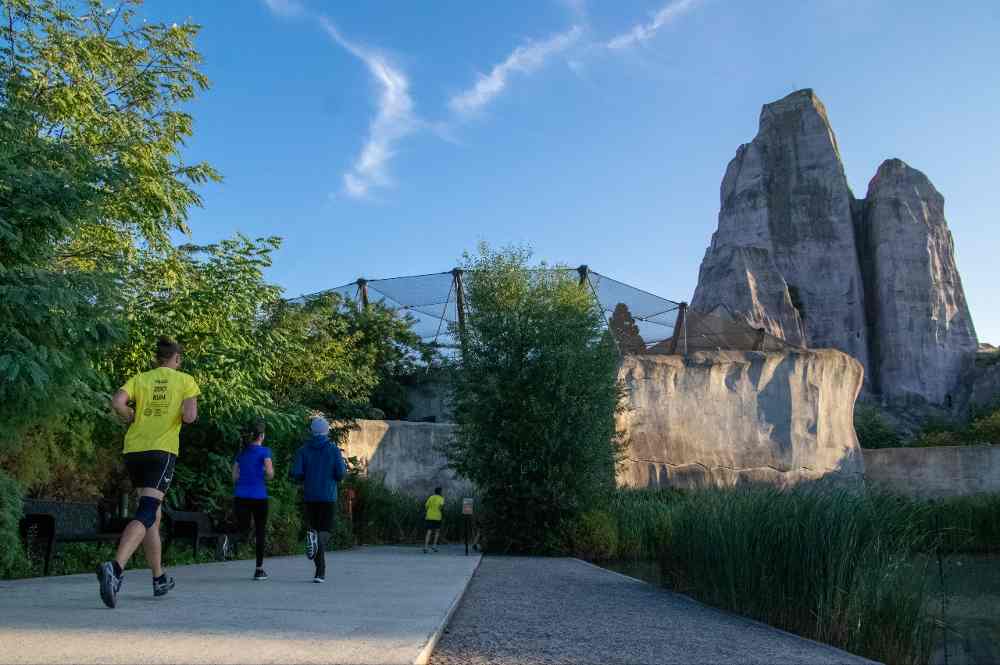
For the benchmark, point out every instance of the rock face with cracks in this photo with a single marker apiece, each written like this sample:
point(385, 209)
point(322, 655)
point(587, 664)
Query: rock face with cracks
point(923, 340)
point(784, 255)
point(730, 417)
point(797, 255)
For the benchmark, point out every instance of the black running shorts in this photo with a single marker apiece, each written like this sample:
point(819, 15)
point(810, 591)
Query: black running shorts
point(151, 468)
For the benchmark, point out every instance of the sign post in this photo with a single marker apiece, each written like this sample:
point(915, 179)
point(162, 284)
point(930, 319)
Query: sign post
point(467, 519)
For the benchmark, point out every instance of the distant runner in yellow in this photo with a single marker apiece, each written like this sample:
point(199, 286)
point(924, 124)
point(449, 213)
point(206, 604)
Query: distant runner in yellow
point(433, 517)
point(163, 398)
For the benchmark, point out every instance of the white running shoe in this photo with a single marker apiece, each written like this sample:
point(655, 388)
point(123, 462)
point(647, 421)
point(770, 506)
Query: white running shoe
point(312, 543)
point(319, 580)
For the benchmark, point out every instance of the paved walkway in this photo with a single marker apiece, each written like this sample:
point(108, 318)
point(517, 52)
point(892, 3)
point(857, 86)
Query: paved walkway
point(529, 611)
point(379, 605)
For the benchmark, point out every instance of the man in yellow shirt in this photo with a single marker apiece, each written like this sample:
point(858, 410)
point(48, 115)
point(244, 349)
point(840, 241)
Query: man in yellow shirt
point(433, 517)
point(163, 398)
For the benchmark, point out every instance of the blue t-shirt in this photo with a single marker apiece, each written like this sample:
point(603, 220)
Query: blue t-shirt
point(251, 484)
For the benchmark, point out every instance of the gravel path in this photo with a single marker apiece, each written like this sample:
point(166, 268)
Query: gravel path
point(534, 611)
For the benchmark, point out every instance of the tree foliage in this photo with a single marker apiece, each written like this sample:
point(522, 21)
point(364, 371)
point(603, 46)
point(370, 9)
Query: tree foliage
point(535, 399)
point(90, 133)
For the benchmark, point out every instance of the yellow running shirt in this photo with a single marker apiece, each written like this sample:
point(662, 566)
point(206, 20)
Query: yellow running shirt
point(158, 395)
point(434, 503)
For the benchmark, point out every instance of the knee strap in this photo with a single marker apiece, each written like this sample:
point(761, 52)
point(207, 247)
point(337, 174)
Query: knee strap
point(145, 513)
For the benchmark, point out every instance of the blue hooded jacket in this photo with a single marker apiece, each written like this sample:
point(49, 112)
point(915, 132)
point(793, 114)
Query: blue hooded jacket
point(319, 465)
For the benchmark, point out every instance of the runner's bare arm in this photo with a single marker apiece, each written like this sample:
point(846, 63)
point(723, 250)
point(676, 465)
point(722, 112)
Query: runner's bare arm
point(189, 408)
point(269, 469)
point(120, 404)
point(236, 472)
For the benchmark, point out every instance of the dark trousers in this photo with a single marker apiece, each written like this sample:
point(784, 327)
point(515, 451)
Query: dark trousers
point(319, 518)
point(256, 508)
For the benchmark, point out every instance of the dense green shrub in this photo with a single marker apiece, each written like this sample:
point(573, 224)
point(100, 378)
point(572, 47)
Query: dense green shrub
point(594, 536)
point(535, 400)
point(836, 566)
point(872, 429)
point(10, 517)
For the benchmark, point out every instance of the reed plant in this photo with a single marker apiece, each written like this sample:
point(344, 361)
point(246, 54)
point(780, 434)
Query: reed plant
point(834, 565)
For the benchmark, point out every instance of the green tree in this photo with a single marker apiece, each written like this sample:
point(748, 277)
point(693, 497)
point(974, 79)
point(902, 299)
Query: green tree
point(535, 399)
point(90, 133)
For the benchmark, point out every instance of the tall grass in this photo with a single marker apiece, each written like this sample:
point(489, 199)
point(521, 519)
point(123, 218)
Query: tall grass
point(643, 518)
point(835, 566)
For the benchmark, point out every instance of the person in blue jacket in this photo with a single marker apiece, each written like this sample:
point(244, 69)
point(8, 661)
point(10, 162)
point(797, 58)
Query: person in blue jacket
point(319, 466)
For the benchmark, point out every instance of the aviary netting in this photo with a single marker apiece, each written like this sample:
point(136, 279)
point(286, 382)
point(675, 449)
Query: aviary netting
point(640, 321)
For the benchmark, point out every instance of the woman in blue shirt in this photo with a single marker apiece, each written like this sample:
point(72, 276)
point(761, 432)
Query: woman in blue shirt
point(251, 469)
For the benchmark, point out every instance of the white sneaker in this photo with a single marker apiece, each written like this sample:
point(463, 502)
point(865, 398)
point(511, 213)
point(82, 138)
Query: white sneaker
point(318, 580)
point(312, 543)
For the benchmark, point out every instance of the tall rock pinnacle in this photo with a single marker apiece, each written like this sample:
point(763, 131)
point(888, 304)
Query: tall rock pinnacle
point(784, 255)
point(797, 254)
point(923, 336)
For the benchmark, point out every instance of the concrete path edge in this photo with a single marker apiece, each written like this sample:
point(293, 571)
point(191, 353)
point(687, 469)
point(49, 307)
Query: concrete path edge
point(425, 654)
point(722, 611)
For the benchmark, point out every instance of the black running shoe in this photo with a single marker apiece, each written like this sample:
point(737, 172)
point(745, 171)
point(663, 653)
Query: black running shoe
point(162, 585)
point(109, 583)
point(259, 575)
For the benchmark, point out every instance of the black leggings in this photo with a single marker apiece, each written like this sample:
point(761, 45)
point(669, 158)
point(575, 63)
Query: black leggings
point(258, 509)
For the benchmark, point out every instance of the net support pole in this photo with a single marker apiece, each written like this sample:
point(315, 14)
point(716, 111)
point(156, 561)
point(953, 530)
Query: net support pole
point(456, 275)
point(680, 330)
point(363, 292)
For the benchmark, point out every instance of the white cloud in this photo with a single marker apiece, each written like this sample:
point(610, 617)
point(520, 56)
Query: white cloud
point(286, 8)
point(524, 59)
point(645, 31)
point(393, 120)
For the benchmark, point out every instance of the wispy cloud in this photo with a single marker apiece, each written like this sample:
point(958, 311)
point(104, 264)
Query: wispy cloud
point(286, 8)
point(524, 59)
point(645, 31)
point(393, 120)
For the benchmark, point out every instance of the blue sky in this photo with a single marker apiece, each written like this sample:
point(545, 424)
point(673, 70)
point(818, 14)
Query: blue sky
point(384, 138)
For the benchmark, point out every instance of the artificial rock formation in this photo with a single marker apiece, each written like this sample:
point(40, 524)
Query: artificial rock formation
point(923, 340)
point(724, 418)
point(797, 255)
point(784, 255)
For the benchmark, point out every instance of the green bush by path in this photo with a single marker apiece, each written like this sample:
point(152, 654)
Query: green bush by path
point(594, 536)
point(536, 393)
point(10, 516)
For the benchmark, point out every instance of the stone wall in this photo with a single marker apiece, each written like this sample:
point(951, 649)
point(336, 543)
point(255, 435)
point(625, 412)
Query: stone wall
point(724, 418)
point(407, 455)
point(934, 472)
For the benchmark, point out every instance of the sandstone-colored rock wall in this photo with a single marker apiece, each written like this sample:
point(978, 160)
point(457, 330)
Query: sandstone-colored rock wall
point(934, 472)
point(724, 418)
point(923, 332)
point(406, 455)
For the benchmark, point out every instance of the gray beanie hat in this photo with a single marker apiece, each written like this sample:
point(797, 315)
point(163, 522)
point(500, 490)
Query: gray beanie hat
point(319, 425)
